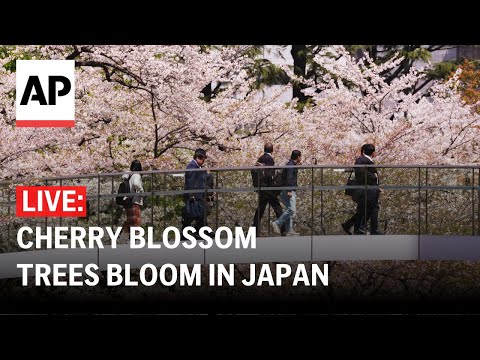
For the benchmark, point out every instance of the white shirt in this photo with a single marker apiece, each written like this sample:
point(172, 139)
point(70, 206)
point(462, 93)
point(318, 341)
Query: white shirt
point(376, 175)
point(136, 185)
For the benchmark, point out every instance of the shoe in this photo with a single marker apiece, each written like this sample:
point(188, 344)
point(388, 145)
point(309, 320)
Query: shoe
point(276, 228)
point(346, 228)
point(359, 231)
point(292, 233)
point(376, 232)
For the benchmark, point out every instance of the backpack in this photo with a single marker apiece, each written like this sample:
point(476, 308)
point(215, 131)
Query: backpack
point(259, 178)
point(277, 181)
point(124, 188)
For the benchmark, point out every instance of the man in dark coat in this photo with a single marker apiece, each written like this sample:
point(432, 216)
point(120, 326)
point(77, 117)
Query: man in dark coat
point(289, 197)
point(365, 176)
point(266, 179)
point(196, 180)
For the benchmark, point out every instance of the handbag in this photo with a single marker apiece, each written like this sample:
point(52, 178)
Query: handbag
point(193, 209)
point(350, 182)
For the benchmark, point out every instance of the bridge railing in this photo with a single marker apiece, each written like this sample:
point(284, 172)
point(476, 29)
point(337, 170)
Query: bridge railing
point(415, 200)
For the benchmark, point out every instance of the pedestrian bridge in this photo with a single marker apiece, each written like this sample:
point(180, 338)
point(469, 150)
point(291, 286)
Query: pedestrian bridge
point(426, 212)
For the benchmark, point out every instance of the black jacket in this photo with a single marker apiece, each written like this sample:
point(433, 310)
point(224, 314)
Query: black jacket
point(372, 175)
point(290, 175)
point(267, 160)
point(195, 180)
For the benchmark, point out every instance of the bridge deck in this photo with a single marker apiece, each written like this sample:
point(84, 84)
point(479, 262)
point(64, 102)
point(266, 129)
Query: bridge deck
point(269, 249)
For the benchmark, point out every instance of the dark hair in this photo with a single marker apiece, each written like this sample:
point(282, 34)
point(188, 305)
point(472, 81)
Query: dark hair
point(136, 166)
point(268, 147)
point(368, 149)
point(295, 154)
point(200, 153)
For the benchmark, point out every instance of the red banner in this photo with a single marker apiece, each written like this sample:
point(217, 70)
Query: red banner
point(51, 201)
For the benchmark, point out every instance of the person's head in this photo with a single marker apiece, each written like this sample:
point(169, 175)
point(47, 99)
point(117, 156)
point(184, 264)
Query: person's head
point(296, 156)
point(268, 148)
point(368, 149)
point(135, 166)
point(200, 155)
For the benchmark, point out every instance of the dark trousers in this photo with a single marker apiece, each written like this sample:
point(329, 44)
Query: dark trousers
point(199, 221)
point(357, 218)
point(267, 197)
point(372, 211)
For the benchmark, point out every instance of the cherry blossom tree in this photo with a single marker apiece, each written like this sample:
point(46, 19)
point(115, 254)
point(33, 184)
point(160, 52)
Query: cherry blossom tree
point(357, 105)
point(148, 102)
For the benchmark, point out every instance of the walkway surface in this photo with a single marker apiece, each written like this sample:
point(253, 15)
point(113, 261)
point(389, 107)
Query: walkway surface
point(269, 249)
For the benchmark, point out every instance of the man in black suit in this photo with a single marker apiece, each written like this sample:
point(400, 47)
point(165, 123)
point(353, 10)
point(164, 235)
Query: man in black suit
point(196, 180)
point(266, 180)
point(365, 176)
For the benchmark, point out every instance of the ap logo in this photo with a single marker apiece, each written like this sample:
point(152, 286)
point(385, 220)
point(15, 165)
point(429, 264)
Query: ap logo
point(45, 93)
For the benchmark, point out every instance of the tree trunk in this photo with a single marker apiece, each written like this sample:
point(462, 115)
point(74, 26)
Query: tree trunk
point(374, 52)
point(299, 54)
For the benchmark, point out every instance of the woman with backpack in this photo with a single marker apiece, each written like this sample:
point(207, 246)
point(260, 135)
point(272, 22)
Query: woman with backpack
point(133, 203)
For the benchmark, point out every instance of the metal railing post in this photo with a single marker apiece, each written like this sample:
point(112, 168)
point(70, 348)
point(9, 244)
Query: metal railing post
point(152, 200)
point(419, 212)
point(258, 206)
point(61, 218)
point(365, 219)
point(205, 203)
point(216, 200)
point(46, 218)
point(9, 211)
point(98, 216)
point(98, 199)
point(426, 201)
point(269, 219)
point(311, 222)
point(165, 200)
point(478, 204)
point(473, 202)
point(114, 202)
point(322, 227)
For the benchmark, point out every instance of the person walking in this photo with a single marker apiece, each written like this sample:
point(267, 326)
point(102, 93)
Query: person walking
point(365, 199)
point(266, 180)
point(195, 180)
point(133, 205)
point(288, 196)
